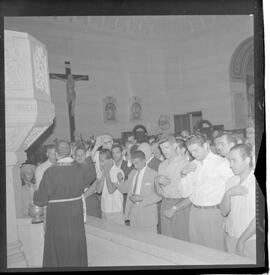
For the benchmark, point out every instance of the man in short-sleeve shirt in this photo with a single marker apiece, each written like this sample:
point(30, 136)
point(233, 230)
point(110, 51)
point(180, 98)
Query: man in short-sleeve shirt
point(239, 204)
point(167, 186)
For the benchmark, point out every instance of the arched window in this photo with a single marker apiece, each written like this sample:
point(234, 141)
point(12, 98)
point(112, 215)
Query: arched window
point(242, 83)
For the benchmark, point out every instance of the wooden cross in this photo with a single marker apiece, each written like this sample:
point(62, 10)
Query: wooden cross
point(71, 94)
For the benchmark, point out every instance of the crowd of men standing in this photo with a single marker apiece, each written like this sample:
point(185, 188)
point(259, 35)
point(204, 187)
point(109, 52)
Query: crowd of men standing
point(179, 186)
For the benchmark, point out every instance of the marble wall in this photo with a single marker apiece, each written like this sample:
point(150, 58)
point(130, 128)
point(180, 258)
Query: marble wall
point(111, 245)
point(28, 113)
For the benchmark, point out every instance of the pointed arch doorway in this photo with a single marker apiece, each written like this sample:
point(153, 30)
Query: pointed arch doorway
point(242, 83)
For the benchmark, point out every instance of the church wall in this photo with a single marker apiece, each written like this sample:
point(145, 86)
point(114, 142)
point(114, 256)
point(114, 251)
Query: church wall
point(170, 77)
point(205, 68)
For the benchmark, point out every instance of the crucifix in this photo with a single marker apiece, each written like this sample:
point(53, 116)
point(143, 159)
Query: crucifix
point(71, 94)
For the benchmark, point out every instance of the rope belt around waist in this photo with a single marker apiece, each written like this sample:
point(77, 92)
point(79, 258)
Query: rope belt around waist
point(207, 207)
point(65, 200)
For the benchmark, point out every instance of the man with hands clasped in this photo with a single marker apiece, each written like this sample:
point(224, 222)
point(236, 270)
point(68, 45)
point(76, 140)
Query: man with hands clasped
point(141, 206)
point(239, 204)
point(111, 198)
point(102, 142)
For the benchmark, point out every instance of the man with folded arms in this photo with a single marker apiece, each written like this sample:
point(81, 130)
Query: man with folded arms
point(203, 183)
point(239, 204)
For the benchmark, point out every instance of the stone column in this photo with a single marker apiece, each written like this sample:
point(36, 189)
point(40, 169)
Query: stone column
point(29, 112)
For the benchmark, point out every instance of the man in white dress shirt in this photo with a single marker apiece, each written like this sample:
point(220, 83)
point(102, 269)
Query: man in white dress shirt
point(239, 204)
point(204, 185)
point(51, 155)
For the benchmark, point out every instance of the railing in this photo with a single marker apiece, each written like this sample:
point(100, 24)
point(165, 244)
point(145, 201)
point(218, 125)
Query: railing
point(115, 245)
point(111, 244)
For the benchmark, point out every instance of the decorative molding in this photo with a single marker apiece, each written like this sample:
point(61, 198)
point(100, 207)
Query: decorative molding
point(15, 77)
point(30, 107)
point(28, 112)
point(40, 69)
point(27, 117)
point(242, 75)
point(145, 27)
point(241, 59)
point(15, 255)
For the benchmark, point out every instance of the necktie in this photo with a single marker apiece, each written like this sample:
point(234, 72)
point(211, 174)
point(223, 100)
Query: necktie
point(136, 183)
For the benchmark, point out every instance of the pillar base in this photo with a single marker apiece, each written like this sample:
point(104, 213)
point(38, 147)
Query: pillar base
point(15, 256)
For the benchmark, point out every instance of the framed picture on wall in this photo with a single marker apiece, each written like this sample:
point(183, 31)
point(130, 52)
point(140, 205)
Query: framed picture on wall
point(135, 104)
point(164, 122)
point(110, 110)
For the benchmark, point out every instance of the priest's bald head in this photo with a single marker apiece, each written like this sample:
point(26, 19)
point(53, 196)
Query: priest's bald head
point(63, 149)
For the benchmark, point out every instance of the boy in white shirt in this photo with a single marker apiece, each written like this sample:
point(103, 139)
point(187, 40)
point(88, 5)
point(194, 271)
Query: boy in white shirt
point(239, 204)
point(111, 198)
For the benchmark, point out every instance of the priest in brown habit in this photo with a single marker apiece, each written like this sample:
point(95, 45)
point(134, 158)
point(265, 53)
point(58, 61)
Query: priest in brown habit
point(61, 190)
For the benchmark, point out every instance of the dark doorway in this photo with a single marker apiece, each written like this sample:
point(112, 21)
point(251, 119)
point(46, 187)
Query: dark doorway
point(187, 121)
